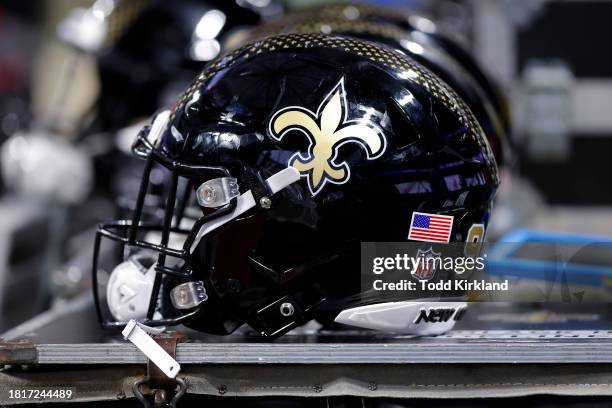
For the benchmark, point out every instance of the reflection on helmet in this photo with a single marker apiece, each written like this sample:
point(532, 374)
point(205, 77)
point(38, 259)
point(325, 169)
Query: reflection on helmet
point(332, 141)
point(419, 38)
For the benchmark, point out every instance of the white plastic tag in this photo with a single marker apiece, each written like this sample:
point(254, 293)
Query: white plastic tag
point(137, 333)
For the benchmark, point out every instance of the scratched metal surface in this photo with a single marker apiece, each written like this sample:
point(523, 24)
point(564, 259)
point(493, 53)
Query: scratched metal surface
point(491, 333)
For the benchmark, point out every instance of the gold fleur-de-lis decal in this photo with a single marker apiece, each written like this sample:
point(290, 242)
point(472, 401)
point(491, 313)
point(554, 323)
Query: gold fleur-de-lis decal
point(327, 130)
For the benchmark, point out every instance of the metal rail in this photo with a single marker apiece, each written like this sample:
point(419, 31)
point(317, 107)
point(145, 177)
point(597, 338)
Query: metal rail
point(468, 346)
point(64, 336)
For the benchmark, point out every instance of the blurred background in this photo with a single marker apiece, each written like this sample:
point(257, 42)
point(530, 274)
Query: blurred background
point(78, 78)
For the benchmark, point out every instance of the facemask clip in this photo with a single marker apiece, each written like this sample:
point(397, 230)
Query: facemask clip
point(217, 192)
point(188, 295)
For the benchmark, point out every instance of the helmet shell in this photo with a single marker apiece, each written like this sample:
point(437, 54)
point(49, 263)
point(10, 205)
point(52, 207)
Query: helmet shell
point(412, 144)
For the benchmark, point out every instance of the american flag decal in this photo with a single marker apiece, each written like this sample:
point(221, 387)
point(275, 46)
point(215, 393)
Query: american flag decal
point(430, 227)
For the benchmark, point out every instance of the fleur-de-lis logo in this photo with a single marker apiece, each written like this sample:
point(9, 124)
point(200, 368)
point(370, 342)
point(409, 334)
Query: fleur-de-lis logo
point(327, 130)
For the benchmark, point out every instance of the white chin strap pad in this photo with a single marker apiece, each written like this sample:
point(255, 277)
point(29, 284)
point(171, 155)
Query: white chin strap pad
point(410, 317)
point(129, 290)
point(246, 201)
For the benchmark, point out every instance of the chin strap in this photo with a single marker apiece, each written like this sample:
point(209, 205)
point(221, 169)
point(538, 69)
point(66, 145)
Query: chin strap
point(246, 201)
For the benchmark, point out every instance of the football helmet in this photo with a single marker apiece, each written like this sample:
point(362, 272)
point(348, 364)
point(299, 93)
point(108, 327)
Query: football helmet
point(423, 41)
point(283, 157)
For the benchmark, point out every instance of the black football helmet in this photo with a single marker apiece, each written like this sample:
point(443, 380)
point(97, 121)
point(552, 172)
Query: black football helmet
point(284, 155)
point(423, 41)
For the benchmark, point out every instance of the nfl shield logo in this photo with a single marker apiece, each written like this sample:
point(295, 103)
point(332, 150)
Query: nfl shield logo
point(425, 269)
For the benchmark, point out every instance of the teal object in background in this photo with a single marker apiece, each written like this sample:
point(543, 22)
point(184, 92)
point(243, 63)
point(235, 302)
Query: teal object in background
point(583, 259)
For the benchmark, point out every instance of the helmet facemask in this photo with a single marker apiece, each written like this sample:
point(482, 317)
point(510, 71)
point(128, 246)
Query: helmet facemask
point(156, 251)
